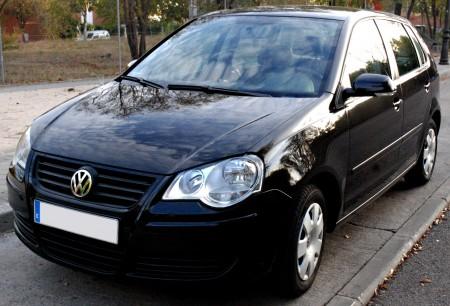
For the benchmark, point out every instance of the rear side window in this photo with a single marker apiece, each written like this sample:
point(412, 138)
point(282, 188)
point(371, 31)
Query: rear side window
point(399, 41)
point(366, 53)
point(417, 45)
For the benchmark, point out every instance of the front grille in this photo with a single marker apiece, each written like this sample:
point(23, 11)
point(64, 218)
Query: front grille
point(112, 186)
point(181, 269)
point(80, 251)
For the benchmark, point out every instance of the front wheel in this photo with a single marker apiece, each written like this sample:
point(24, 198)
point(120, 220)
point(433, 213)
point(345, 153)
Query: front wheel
point(422, 171)
point(300, 258)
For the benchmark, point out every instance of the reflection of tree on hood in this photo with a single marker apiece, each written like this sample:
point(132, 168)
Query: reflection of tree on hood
point(125, 98)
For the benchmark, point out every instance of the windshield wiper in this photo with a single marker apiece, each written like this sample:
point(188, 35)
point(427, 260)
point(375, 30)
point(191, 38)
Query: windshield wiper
point(141, 81)
point(219, 90)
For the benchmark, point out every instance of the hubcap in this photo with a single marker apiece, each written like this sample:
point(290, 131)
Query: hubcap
point(310, 241)
point(429, 152)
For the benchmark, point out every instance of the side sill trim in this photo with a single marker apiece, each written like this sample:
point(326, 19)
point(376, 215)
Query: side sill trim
point(378, 194)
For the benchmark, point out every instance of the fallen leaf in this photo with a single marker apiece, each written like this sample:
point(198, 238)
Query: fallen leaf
point(347, 236)
point(425, 280)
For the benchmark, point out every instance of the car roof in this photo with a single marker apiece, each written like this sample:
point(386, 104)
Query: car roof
point(326, 12)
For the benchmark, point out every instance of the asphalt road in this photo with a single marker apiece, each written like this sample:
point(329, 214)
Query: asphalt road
point(424, 279)
point(26, 279)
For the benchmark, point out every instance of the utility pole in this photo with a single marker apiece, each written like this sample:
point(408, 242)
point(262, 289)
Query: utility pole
point(445, 38)
point(2, 63)
point(224, 4)
point(118, 35)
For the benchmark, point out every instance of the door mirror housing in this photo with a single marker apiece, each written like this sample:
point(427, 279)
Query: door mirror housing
point(370, 84)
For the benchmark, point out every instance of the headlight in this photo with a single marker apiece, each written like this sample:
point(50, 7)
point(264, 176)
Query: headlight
point(20, 157)
point(220, 185)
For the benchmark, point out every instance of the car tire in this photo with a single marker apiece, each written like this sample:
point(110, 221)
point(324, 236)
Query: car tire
point(301, 254)
point(422, 171)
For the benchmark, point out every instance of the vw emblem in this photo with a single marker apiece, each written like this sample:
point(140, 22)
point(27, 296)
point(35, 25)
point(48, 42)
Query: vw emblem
point(81, 183)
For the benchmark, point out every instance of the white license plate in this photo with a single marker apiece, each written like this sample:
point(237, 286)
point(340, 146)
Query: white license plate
point(77, 222)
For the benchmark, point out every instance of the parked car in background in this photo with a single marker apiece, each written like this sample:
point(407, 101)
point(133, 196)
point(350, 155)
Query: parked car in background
point(231, 147)
point(98, 34)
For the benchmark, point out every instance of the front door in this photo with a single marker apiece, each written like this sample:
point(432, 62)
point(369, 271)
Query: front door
point(375, 123)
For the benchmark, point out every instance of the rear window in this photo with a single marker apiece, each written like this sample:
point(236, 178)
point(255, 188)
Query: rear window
point(280, 56)
point(401, 44)
point(417, 44)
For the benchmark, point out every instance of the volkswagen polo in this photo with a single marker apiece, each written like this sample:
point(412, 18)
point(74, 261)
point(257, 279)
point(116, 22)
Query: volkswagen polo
point(232, 147)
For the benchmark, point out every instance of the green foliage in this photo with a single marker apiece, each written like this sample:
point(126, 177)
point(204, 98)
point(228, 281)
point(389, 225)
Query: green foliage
point(60, 21)
point(107, 10)
point(25, 9)
point(11, 41)
point(172, 10)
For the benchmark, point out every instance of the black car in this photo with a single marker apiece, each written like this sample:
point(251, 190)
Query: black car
point(231, 147)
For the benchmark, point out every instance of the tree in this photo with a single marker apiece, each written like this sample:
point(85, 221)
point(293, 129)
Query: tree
point(2, 6)
point(136, 15)
point(410, 9)
point(59, 19)
point(107, 10)
point(24, 10)
point(142, 12)
point(84, 6)
point(129, 10)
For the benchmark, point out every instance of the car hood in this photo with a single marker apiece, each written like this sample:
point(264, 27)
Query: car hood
point(141, 128)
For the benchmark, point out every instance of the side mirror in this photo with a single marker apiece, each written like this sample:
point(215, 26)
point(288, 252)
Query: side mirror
point(131, 63)
point(369, 84)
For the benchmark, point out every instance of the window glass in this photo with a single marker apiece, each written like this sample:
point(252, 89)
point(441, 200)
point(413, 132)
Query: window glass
point(281, 56)
point(366, 53)
point(404, 51)
point(416, 44)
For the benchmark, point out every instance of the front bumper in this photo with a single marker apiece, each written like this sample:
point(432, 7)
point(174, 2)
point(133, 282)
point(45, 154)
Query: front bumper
point(159, 239)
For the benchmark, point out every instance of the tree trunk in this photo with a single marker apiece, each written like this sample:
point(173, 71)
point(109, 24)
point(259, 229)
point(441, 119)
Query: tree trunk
point(2, 63)
point(427, 15)
point(410, 9)
point(434, 12)
point(142, 45)
point(129, 9)
point(85, 25)
point(142, 12)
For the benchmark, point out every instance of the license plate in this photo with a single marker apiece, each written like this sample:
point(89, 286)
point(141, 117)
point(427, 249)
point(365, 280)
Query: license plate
point(77, 222)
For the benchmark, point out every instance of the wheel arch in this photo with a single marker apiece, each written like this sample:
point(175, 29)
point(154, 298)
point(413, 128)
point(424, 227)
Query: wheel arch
point(435, 113)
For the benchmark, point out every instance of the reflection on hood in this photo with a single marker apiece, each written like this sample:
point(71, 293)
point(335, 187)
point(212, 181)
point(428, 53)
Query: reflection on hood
point(127, 98)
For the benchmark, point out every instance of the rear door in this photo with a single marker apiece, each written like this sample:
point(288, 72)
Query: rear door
point(375, 123)
point(413, 80)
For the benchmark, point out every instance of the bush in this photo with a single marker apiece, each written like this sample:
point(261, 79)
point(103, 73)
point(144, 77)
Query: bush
point(11, 41)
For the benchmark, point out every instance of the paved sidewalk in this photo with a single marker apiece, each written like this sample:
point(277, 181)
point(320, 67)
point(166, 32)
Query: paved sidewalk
point(19, 105)
point(357, 255)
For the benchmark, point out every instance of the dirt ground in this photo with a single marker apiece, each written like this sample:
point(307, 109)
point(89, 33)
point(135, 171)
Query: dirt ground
point(62, 60)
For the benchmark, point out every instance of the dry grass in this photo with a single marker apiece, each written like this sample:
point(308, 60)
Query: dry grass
point(61, 60)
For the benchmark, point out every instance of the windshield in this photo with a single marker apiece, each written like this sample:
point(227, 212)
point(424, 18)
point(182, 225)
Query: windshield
point(280, 56)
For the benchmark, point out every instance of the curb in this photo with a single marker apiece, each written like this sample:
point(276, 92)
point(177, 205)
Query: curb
point(360, 289)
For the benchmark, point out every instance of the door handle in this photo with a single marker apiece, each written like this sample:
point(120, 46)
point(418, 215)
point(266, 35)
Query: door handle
point(427, 87)
point(397, 104)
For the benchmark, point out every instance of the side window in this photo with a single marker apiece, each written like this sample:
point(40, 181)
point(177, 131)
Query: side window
point(366, 53)
point(417, 45)
point(404, 51)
